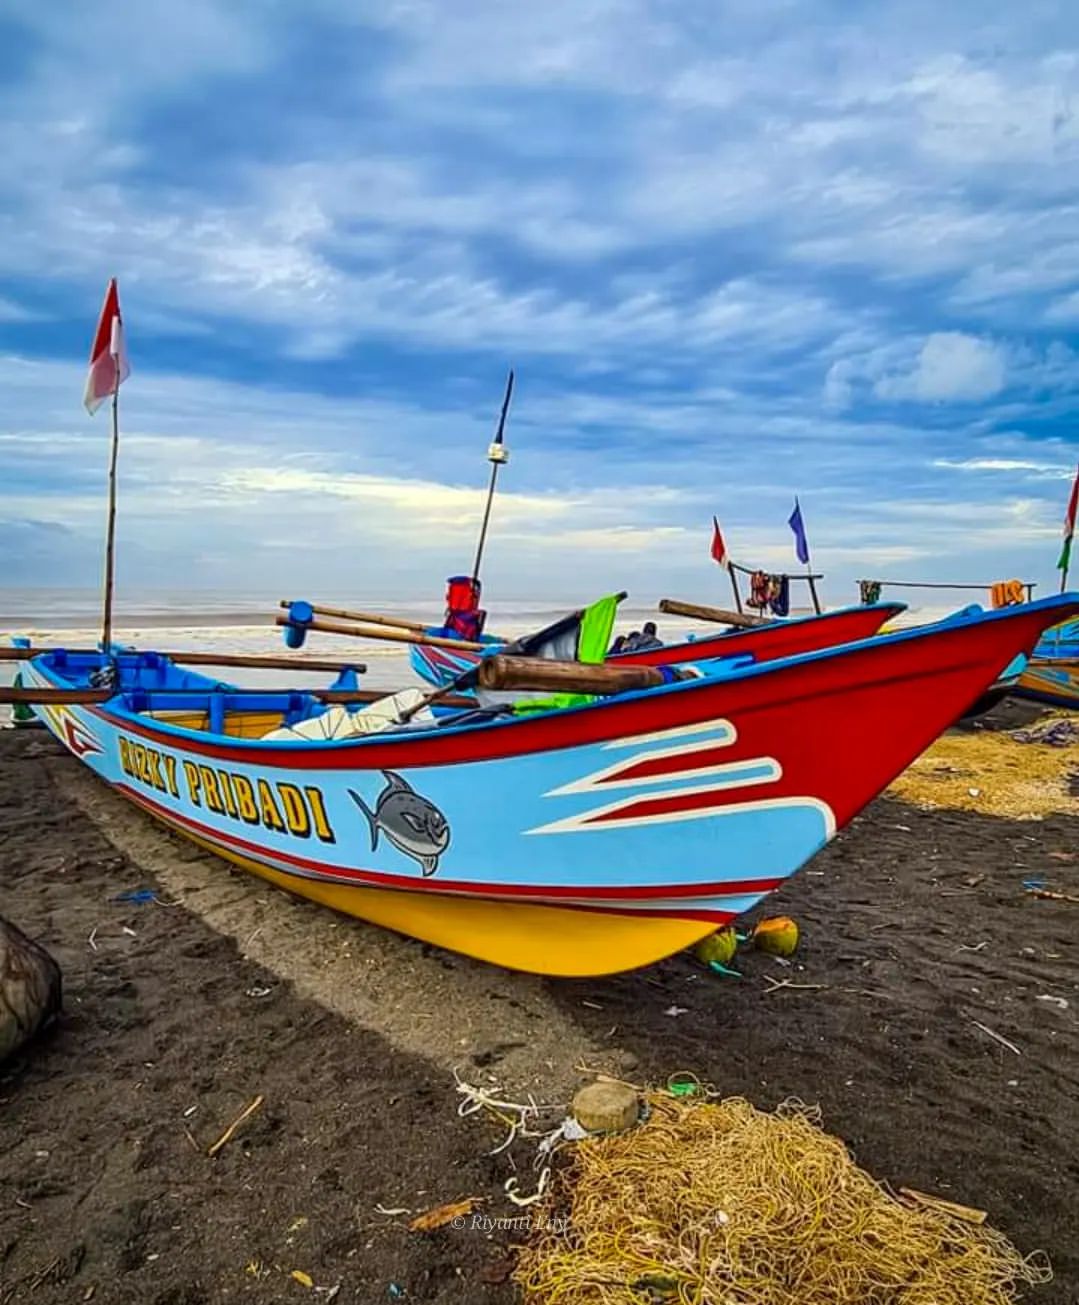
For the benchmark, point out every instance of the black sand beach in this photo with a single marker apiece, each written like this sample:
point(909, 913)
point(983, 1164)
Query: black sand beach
point(180, 1011)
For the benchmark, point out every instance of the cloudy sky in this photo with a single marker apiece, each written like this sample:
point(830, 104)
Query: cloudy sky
point(735, 251)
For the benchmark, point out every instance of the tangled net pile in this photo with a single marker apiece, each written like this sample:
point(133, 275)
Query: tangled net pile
point(718, 1203)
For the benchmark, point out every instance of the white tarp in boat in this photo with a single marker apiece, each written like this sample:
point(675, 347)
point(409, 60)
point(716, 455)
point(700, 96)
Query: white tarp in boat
point(340, 723)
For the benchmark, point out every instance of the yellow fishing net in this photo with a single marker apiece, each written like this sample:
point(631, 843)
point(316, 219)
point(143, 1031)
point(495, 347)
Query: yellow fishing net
point(990, 772)
point(718, 1203)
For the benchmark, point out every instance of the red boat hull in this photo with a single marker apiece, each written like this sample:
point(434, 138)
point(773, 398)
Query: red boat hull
point(770, 642)
point(766, 643)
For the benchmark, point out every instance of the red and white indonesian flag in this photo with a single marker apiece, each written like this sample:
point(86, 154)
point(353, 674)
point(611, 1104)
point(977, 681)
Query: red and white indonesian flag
point(108, 357)
point(719, 548)
point(1070, 516)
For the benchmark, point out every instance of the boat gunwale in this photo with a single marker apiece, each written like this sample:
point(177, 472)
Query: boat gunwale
point(892, 609)
point(281, 751)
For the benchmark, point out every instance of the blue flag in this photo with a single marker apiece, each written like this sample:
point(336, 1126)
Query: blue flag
point(801, 546)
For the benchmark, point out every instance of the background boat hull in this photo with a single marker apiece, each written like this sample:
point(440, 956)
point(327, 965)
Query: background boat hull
point(770, 642)
point(1054, 682)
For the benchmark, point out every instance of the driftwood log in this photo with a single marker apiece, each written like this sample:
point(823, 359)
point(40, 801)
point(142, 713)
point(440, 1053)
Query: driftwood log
point(30, 988)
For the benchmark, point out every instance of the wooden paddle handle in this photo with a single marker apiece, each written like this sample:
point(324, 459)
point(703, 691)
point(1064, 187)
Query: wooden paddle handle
point(397, 623)
point(698, 613)
point(384, 632)
point(499, 672)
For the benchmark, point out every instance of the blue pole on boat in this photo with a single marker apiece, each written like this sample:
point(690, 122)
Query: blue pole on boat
point(497, 455)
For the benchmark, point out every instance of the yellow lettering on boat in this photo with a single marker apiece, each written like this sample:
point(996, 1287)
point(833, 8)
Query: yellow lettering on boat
point(279, 806)
point(226, 793)
point(271, 817)
point(299, 822)
point(153, 759)
point(209, 787)
point(318, 813)
point(245, 798)
point(170, 775)
point(150, 767)
point(194, 784)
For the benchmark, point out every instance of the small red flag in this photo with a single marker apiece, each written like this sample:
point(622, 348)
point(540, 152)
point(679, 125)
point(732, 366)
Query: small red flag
point(719, 548)
point(1069, 526)
point(108, 356)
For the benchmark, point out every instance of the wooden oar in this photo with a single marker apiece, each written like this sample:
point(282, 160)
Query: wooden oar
point(397, 622)
point(89, 695)
point(698, 613)
point(537, 673)
point(381, 632)
point(205, 659)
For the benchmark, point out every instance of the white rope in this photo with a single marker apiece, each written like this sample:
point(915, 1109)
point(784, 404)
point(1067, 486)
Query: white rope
point(510, 1188)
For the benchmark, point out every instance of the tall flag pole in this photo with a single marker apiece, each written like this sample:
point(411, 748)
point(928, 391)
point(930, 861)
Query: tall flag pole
point(1064, 564)
point(722, 558)
point(497, 455)
point(109, 368)
point(801, 549)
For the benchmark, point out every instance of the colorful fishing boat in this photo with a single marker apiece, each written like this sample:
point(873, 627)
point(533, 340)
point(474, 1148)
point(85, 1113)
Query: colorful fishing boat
point(441, 665)
point(1052, 673)
point(573, 842)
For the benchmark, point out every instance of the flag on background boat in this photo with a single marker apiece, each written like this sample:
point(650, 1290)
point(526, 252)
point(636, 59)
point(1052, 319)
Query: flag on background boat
point(801, 544)
point(107, 354)
point(719, 548)
point(1069, 526)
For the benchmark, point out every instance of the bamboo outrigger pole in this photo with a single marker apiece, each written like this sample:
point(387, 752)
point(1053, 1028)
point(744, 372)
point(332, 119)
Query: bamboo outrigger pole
point(375, 618)
point(382, 632)
point(74, 695)
point(206, 659)
point(497, 454)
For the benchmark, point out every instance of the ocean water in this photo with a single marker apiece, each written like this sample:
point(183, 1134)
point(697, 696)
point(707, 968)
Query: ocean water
point(190, 621)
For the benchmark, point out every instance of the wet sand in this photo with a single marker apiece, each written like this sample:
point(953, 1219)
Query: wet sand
point(915, 926)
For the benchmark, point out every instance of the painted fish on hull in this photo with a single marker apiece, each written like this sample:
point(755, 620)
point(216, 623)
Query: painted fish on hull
point(410, 822)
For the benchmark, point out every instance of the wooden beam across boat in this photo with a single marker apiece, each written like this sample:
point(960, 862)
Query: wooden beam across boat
point(373, 618)
point(537, 673)
point(75, 696)
point(675, 607)
point(206, 659)
point(384, 632)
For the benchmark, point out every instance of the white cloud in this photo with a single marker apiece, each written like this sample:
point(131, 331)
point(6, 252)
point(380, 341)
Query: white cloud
point(949, 367)
point(13, 312)
point(1003, 464)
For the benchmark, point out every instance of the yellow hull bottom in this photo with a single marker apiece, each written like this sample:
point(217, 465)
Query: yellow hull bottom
point(540, 939)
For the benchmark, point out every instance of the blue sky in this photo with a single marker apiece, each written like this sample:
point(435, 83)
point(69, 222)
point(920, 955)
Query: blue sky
point(734, 251)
